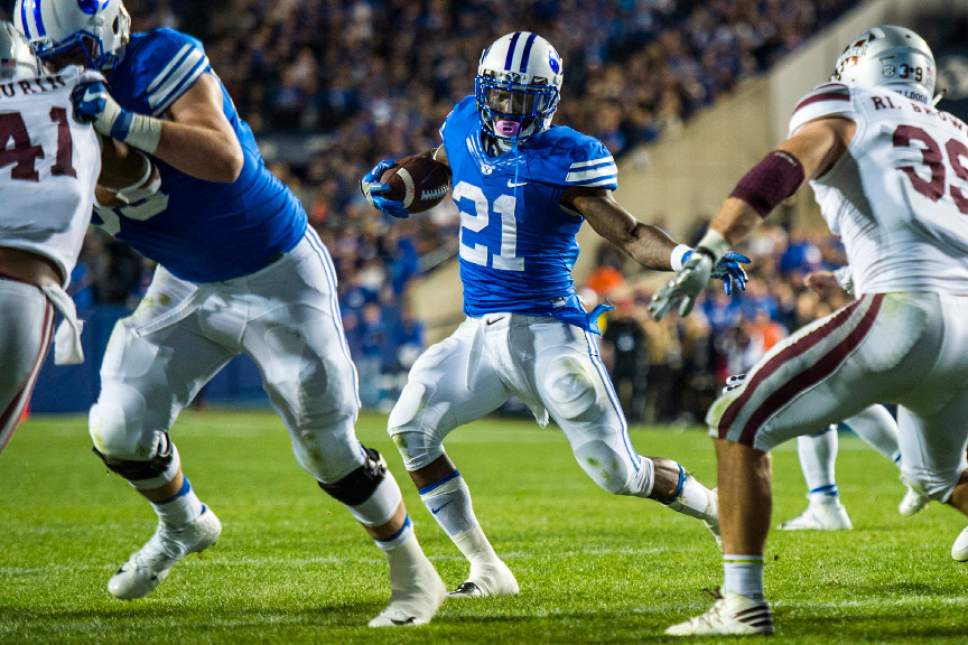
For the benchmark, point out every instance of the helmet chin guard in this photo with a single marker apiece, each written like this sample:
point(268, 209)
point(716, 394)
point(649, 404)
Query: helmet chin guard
point(518, 86)
point(892, 57)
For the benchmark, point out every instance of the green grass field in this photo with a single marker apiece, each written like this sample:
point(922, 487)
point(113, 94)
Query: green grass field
point(292, 567)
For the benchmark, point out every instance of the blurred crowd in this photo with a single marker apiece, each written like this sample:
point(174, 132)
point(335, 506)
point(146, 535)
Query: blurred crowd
point(354, 81)
point(670, 371)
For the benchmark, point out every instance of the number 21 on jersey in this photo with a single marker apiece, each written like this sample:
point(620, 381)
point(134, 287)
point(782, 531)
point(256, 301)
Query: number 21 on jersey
point(479, 219)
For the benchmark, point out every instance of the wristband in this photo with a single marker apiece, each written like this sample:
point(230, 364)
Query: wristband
point(143, 132)
point(714, 243)
point(678, 257)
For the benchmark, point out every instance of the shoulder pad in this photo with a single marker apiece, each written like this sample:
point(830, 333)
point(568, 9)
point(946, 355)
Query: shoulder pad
point(829, 99)
point(573, 159)
point(167, 63)
point(464, 107)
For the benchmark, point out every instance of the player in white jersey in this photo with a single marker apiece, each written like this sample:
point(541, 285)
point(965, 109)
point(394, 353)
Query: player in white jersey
point(890, 173)
point(49, 164)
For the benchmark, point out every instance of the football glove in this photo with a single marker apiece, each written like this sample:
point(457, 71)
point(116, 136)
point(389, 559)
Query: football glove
point(374, 190)
point(729, 269)
point(685, 287)
point(94, 104)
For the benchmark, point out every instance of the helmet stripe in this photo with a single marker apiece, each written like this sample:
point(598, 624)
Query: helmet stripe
point(510, 56)
point(526, 55)
point(23, 19)
point(39, 20)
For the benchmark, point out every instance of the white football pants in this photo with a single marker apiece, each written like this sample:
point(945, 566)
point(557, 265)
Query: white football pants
point(26, 323)
point(904, 348)
point(285, 317)
point(552, 366)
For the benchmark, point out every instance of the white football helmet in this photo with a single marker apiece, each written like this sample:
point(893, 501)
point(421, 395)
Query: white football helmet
point(892, 57)
point(92, 33)
point(17, 59)
point(518, 85)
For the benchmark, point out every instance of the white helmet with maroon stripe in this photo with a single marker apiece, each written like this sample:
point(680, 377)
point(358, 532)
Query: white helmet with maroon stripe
point(17, 59)
point(892, 57)
point(518, 85)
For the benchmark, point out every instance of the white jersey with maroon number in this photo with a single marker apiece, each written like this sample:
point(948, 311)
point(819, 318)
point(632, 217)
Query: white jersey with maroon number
point(49, 165)
point(899, 197)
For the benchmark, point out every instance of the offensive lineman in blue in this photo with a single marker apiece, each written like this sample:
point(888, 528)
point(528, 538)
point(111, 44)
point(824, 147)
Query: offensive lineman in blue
point(239, 272)
point(523, 188)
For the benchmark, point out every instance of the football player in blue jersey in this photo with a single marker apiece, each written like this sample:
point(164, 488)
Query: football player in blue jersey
point(524, 187)
point(238, 271)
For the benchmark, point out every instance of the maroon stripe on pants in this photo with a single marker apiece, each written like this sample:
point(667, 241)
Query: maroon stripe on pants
point(11, 416)
point(813, 374)
point(799, 347)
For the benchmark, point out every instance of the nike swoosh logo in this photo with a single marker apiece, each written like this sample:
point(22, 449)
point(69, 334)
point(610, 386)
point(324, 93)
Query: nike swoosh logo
point(441, 507)
point(88, 96)
point(491, 322)
point(513, 184)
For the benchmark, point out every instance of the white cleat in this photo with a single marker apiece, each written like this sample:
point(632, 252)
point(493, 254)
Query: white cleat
point(959, 550)
point(912, 503)
point(486, 580)
point(820, 517)
point(148, 567)
point(731, 615)
point(417, 594)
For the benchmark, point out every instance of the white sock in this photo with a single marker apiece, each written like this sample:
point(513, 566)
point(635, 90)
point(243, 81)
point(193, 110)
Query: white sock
point(449, 501)
point(878, 429)
point(181, 509)
point(743, 574)
point(818, 454)
point(692, 498)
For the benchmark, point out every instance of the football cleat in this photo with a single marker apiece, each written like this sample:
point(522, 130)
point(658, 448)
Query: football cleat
point(731, 615)
point(417, 594)
point(492, 579)
point(820, 517)
point(912, 503)
point(959, 550)
point(148, 567)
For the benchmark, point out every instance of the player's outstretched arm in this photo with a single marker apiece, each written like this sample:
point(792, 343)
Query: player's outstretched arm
point(197, 140)
point(809, 153)
point(648, 245)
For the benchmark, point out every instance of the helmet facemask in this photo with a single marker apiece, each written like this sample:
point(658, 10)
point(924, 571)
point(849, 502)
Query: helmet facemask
point(512, 109)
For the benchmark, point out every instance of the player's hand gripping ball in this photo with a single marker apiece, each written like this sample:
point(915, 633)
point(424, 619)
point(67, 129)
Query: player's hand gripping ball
point(412, 185)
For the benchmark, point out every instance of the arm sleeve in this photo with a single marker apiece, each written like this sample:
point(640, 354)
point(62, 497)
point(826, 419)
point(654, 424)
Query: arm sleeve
point(174, 61)
point(830, 99)
point(590, 166)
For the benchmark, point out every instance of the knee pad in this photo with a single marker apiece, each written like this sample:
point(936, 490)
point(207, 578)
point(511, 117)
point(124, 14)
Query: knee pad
point(417, 448)
point(608, 469)
point(411, 402)
point(117, 428)
point(159, 469)
point(569, 388)
point(937, 486)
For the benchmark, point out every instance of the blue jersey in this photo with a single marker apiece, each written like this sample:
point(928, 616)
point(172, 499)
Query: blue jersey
point(200, 231)
point(517, 241)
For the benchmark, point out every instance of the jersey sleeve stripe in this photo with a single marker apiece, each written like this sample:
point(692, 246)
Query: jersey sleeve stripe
point(166, 72)
point(584, 175)
point(186, 68)
point(823, 96)
point(182, 87)
point(611, 180)
point(591, 162)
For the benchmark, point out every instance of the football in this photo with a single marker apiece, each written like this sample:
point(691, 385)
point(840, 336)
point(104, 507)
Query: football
point(419, 182)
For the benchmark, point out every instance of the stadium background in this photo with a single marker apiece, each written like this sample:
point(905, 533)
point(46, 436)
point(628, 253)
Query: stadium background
point(331, 87)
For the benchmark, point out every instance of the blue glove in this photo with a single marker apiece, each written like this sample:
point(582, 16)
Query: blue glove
point(94, 104)
point(373, 190)
point(729, 270)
